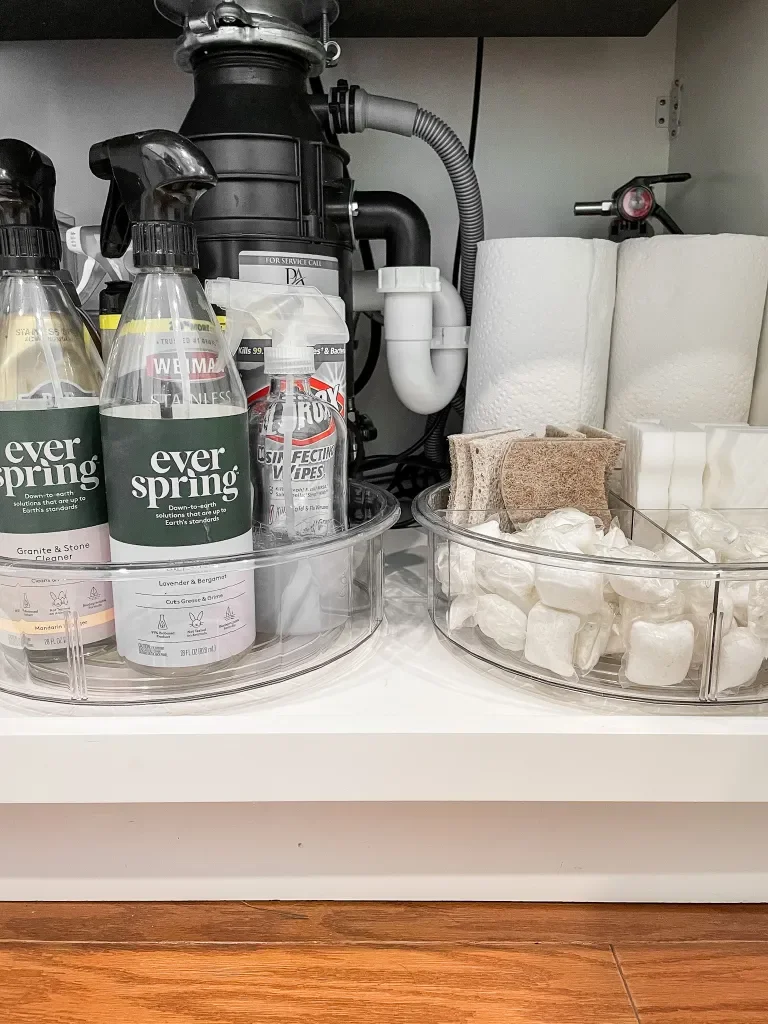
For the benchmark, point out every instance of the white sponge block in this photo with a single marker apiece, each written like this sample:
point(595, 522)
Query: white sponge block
point(735, 460)
point(551, 638)
point(502, 622)
point(648, 463)
point(686, 486)
point(741, 658)
point(659, 653)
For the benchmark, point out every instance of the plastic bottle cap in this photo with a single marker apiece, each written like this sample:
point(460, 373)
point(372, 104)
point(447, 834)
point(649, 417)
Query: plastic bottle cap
point(281, 359)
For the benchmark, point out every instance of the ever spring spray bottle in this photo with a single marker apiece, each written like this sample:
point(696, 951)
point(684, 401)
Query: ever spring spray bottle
point(174, 421)
point(52, 495)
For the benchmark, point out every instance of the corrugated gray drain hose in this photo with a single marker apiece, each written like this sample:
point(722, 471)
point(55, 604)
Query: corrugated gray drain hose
point(352, 109)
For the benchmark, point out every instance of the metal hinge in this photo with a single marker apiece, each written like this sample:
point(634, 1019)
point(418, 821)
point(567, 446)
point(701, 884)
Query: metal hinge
point(668, 109)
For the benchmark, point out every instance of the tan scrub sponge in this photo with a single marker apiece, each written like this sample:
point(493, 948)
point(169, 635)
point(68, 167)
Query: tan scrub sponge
point(487, 455)
point(543, 474)
point(476, 461)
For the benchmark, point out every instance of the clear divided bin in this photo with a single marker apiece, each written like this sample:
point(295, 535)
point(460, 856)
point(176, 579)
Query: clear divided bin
point(314, 600)
point(680, 615)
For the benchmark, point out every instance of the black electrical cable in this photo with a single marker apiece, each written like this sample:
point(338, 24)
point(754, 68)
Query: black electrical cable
point(413, 460)
point(473, 129)
point(378, 461)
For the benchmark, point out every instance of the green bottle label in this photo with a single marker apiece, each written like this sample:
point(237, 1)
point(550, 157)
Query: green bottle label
point(177, 482)
point(51, 470)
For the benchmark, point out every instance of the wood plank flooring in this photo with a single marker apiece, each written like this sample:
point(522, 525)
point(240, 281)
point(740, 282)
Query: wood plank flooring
point(415, 963)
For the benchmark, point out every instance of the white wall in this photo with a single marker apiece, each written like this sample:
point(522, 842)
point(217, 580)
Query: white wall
point(561, 120)
point(722, 61)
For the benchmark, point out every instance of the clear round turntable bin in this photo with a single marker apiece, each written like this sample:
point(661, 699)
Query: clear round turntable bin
point(663, 620)
point(313, 601)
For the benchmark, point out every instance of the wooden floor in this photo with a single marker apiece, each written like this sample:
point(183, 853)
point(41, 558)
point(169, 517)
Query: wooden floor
point(347, 963)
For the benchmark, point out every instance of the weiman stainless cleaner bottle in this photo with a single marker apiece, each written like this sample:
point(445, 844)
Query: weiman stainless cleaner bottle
point(52, 496)
point(173, 419)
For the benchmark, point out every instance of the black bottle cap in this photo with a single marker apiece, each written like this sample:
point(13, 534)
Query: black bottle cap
point(156, 177)
point(113, 296)
point(29, 236)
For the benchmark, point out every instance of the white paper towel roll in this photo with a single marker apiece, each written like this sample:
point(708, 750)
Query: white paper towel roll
point(541, 332)
point(758, 414)
point(689, 314)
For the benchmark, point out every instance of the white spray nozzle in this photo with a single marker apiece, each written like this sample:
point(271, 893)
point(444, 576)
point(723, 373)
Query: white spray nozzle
point(287, 315)
point(290, 360)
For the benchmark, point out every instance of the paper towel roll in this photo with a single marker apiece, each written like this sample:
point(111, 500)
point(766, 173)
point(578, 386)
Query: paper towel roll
point(541, 333)
point(758, 414)
point(689, 314)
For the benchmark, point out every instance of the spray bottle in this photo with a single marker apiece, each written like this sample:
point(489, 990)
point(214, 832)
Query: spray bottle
point(52, 495)
point(301, 451)
point(174, 420)
point(299, 448)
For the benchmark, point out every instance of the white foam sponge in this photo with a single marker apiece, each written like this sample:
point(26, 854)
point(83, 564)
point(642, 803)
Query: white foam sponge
point(659, 653)
point(648, 589)
point(741, 657)
point(648, 463)
point(593, 638)
point(551, 638)
point(686, 486)
point(502, 621)
point(735, 458)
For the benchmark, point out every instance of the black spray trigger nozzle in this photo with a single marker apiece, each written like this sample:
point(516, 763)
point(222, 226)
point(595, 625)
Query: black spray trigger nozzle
point(155, 177)
point(29, 234)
